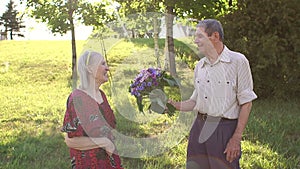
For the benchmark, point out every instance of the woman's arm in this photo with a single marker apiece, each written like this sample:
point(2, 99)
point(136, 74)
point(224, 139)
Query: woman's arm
point(87, 143)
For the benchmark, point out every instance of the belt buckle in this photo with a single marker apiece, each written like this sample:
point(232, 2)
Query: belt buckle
point(204, 117)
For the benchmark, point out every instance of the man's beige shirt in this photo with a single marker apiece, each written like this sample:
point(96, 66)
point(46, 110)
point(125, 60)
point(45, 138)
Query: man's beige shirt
point(221, 88)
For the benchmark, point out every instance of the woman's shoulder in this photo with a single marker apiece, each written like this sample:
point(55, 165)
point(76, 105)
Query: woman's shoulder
point(102, 94)
point(77, 93)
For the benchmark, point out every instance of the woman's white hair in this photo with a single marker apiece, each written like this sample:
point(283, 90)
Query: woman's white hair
point(86, 63)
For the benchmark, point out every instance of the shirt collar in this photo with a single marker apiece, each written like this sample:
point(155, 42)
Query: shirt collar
point(223, 57)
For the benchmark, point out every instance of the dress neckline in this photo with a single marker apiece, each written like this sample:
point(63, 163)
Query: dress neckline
point(82, 91)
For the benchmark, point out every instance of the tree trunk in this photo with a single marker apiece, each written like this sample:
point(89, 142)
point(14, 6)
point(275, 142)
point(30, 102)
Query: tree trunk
point(74, 60)
point(132, 33)
point(11, 34)
point(155, 37)
point(6, 30)
point(166, 64)
point(170, 40)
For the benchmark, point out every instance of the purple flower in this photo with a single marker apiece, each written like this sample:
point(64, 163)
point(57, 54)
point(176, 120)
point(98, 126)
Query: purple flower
point(146, 81)
point(151, 70)
point(137, 94)
point(140, 88)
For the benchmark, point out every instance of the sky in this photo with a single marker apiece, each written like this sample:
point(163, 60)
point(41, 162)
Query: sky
point(39, 31)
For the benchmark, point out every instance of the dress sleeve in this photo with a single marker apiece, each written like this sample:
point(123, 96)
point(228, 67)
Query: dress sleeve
point(91, 119)
point(71, 123)
point(83, 118)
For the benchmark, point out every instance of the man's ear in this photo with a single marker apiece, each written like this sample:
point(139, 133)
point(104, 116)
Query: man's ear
point(216, 36)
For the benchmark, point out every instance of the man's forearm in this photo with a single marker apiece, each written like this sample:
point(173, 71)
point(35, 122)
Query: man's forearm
point(242, 120)
point(187, 105)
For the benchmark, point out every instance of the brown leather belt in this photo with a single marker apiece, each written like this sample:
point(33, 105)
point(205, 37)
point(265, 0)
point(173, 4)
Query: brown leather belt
point(204, 117)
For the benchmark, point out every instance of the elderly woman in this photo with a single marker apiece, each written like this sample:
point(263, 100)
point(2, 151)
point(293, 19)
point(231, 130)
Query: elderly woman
point(89, 118)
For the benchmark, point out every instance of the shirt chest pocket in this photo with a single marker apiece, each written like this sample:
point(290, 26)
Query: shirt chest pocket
point(224, 89)
point(200, 78)
point(200, 84)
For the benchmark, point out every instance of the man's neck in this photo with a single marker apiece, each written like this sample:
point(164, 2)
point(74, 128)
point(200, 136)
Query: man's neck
point(219, 47)
point(215, 55)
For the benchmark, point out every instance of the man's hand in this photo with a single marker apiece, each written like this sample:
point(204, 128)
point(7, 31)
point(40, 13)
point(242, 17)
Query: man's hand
point(233, 149)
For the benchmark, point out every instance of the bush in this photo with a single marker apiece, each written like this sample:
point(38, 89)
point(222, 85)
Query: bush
point(267, 32)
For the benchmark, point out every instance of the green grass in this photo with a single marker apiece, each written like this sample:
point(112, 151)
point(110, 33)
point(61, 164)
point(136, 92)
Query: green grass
point(35, 82)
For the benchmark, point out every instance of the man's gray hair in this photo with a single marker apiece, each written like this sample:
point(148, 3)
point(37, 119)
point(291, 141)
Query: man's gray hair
point(86, 60)
point(210, 26)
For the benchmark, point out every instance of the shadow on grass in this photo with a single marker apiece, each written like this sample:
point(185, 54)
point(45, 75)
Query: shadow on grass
point(274, 125)
point(35, 150)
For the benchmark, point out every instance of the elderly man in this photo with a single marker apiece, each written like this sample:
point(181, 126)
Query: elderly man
point(223, 94)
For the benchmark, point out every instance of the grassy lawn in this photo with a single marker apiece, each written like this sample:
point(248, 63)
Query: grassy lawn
point(35, 82)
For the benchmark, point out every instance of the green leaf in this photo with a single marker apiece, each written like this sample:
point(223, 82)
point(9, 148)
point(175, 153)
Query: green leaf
point(171, 81)
point(158, 100)
point(171, 109)
point(140, 104)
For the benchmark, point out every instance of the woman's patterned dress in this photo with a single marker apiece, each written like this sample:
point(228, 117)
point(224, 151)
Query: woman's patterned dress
point(85, 117)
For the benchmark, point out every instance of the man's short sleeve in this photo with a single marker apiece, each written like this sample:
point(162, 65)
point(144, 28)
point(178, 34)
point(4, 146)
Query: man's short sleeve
point(245, 91)
point(194, 95)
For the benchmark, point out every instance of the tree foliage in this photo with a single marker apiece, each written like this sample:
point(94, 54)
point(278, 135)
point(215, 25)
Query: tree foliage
point(204, 8)
point(267, 32)
point(175, 9)
point(61, 14)
point(138, 16)
point(11, 21)
point(56, 13)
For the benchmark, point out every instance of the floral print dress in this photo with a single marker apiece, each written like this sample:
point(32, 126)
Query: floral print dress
point(85, 117)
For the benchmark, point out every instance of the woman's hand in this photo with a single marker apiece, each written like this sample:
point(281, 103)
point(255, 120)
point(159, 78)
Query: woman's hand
point(109, 147)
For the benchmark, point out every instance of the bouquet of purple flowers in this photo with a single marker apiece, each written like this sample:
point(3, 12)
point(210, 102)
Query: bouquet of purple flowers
point(150, 83)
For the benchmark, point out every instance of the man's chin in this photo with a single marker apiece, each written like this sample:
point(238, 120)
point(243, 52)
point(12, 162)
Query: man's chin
point(201, 53)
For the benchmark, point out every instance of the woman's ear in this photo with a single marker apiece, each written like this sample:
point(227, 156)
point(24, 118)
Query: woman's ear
point(88, 69)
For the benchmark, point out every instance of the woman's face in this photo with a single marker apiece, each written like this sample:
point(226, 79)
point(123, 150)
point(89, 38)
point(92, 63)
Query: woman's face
point(101, 73)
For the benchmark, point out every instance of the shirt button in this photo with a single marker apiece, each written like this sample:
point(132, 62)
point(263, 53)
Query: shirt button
point(205, 97)
point(227, 82)
point(207, 81)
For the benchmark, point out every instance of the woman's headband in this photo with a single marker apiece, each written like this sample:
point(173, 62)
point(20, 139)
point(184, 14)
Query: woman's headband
point(88, 58)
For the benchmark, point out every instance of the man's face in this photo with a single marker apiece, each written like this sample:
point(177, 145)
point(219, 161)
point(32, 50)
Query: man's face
point(203, 42)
